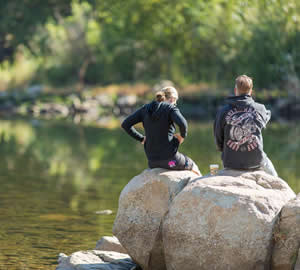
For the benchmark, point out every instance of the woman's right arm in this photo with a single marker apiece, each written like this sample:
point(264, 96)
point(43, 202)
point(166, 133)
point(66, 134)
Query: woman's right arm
point(130, 121)
point(178, 119)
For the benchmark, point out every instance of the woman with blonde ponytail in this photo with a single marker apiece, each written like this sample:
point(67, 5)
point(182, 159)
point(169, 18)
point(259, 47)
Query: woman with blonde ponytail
point(160, 141)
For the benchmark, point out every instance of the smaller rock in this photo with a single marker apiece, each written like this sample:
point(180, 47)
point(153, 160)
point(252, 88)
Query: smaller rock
point(105, 100)
point(49, 109)
point(95, 260)
point(110, 243)
point(61, 257)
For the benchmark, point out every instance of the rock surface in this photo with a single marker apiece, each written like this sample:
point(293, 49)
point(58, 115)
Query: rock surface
point(110, 243)
point(143, 204)
point(224, 222)
point(287, 236)
point(95, 260)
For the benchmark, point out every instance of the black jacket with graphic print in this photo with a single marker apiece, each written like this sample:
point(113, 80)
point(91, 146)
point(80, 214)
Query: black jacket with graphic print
point(237, 131)
point(159, 119)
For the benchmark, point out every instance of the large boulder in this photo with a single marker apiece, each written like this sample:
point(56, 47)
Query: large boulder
point(287, 236)
point(143, 204)
point(95, 260)
point(224, 221)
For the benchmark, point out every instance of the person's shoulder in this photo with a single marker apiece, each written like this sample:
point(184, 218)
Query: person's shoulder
point(259, 107)
point(169, 107)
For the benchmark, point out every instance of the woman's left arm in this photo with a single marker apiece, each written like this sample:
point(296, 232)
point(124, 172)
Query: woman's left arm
point(178, 119)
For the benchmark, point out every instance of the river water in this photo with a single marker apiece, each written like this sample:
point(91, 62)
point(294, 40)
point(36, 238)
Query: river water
point(55, 177)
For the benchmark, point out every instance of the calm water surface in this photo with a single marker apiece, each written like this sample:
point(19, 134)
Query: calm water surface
point(55, 176)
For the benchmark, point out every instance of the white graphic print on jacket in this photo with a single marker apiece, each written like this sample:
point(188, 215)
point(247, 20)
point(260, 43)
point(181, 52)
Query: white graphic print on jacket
point(244, 124)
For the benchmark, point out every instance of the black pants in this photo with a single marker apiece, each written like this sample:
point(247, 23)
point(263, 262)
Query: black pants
point(178, 162)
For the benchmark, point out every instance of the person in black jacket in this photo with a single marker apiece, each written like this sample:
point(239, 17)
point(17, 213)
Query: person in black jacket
point(160, 141)
point(238, 130)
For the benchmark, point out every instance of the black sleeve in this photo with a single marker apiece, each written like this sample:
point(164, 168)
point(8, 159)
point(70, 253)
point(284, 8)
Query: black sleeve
point(178, 119)
point(130, 121)
point(219, 130)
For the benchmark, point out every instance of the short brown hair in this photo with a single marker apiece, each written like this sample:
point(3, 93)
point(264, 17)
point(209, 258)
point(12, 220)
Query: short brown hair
point(244, 84)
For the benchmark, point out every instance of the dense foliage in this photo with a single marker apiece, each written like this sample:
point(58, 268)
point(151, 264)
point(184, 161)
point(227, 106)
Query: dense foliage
point(114, 41)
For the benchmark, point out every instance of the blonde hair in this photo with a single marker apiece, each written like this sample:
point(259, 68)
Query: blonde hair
point(244, 84)
point(166, 93)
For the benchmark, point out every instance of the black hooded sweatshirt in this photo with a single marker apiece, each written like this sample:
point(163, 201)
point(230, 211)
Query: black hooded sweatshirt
point(159, 120)
point(237, 131)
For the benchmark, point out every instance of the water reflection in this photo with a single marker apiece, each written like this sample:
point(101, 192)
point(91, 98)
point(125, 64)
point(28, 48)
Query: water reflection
point(55, 176)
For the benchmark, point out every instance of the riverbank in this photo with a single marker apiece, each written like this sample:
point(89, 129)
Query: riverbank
point(102, 105)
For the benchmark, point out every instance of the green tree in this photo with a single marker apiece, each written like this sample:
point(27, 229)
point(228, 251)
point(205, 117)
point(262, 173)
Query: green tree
point(21, 19)
point(115, 41)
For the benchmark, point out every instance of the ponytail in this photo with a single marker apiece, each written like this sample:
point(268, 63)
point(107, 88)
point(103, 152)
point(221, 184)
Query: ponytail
point(166, 93)
point(160, 96)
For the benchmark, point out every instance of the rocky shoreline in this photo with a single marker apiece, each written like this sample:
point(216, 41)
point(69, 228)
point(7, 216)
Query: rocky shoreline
point(177, 220)
point(103, 107)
